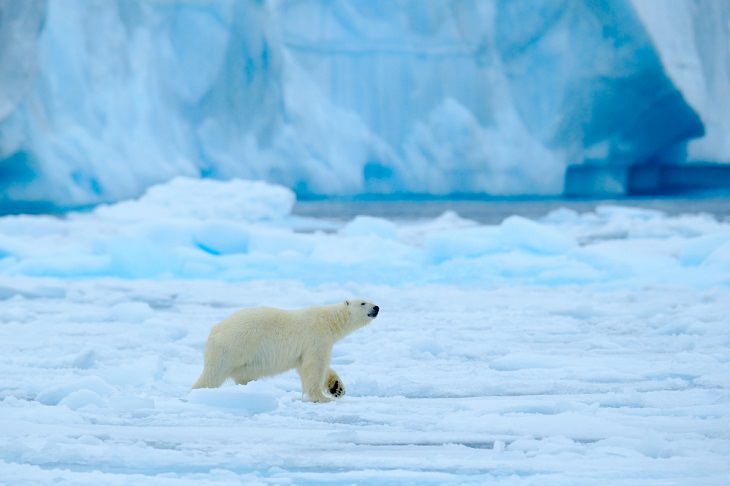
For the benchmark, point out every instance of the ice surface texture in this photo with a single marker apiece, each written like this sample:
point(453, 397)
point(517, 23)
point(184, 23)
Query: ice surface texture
point(512, 386)
point(100, 100)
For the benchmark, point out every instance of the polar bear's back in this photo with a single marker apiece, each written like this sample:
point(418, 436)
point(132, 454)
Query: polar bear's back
point(259, 337)
point(255, 325)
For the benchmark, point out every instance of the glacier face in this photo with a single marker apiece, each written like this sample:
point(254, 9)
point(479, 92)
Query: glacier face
point(693, 39)
point(603, 94)
point(100, 99)
point(20, 23)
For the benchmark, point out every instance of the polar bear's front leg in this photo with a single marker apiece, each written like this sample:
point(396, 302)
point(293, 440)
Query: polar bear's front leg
point(312, 373)
point(334, 384)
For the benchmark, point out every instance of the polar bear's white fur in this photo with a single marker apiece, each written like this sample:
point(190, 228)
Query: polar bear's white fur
point(263, 341)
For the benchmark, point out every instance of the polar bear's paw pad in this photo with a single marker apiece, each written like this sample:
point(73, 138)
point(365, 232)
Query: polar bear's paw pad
point(336, 388)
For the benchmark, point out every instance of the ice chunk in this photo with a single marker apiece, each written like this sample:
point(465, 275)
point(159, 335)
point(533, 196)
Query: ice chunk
point(135, 312)
point(529, 235)
point(91, 386)
point(185, 198)
point(515, 233)
point(222, 238)
point(234, 399)
point(82, 398)
point(719, 259)
point(85, 360)
point(697, 250)
point(466, 242)
point(368, 225)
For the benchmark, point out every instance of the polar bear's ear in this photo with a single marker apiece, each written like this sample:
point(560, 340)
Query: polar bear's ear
point(347, 302)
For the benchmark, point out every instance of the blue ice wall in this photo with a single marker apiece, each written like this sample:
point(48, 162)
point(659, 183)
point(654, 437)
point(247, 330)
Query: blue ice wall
point(587, 80)
point(99, 100)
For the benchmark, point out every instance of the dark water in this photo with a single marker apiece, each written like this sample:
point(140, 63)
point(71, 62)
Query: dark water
point(496, 210)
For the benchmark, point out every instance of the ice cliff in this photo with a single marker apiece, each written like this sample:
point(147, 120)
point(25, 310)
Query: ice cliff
point(101, 99)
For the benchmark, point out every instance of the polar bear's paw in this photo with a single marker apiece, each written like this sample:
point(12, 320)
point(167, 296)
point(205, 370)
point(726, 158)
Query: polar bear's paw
point(336, 388)
point(334, 385)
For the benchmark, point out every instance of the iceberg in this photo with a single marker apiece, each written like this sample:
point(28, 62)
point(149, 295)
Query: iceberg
point(99, 101)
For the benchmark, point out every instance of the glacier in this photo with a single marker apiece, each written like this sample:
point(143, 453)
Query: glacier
point(100, 100)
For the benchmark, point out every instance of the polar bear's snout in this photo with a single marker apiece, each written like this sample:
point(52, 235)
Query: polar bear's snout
point(374, 312)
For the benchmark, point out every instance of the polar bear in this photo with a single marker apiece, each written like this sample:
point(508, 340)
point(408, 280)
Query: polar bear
point(263, 341)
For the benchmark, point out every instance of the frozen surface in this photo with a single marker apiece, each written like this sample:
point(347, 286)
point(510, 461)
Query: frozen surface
point(512, 385)
point(100, 100)
point(573, 349)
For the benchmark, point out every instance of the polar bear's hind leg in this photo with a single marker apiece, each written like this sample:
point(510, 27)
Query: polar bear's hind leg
point(210, 378)
point(243, 375)
point(217, 367)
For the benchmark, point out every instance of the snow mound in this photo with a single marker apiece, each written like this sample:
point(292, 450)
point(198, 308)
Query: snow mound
point(77, 393)
point(370, 226)
point(204, 199)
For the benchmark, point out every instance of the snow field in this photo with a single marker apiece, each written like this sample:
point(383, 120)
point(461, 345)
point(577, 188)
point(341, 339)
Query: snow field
point(511, 385)
point(578, 348)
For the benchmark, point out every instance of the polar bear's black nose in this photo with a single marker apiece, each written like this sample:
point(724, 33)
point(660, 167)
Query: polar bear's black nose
point(375, 311)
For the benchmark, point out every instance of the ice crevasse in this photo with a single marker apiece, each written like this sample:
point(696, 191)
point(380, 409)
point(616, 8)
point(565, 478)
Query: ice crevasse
point(100, 100)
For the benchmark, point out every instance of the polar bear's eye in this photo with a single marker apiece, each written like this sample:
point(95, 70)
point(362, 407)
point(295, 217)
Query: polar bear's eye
point(362, 303)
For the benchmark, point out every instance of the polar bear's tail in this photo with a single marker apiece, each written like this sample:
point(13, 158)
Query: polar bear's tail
point(203, 380)
point(209, 380)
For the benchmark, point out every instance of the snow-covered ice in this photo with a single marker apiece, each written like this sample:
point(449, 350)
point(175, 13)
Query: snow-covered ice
point(516, 385)
point(578, 348)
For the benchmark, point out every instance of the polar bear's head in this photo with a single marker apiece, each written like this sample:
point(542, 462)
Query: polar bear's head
point(361, 311)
